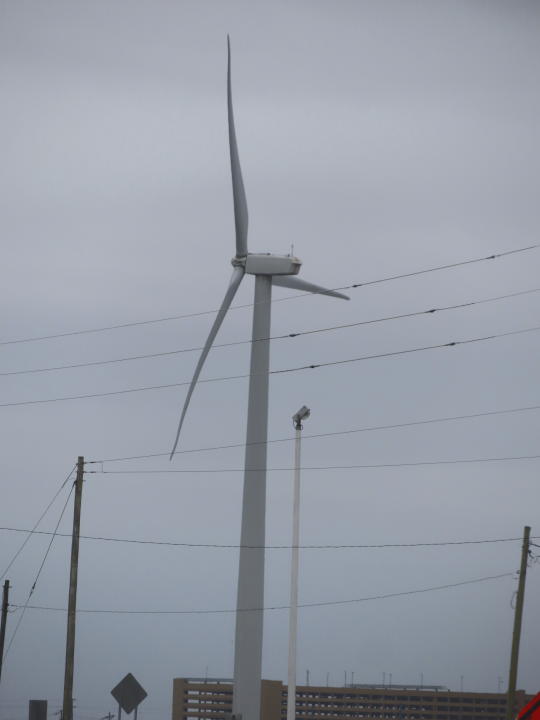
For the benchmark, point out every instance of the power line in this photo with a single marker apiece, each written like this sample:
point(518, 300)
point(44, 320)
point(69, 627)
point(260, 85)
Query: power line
point(353, 286)
point(286, 336)
point(213, 471)
point(369, 546)
point(312, 436)
point(52, 539)
point(281, 607)
point(429, 311)
point(448, 266)
point(453, 343)
point(38, 574)
point(313, 366)
point(33, 530)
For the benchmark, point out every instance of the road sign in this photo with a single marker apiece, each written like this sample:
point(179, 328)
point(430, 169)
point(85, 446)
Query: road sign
point(128, 693)
point(531, 711)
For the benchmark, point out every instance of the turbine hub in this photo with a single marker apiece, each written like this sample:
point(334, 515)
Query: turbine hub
point(268, 264)
point(239, 261)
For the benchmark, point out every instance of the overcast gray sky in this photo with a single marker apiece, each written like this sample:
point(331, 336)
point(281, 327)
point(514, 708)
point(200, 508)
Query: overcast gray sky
point(378, 137)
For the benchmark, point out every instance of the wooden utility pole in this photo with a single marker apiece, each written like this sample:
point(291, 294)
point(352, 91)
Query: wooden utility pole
point(67, 710)
point(512, 679)
point(5, 606)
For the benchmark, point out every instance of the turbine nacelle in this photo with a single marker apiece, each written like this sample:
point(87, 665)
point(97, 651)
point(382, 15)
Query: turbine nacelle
point(268, 264)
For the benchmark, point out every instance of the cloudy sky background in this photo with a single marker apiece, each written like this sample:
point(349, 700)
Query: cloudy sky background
point(380, 139)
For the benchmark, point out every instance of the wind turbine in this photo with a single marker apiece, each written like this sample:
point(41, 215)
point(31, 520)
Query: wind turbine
point(268, 269)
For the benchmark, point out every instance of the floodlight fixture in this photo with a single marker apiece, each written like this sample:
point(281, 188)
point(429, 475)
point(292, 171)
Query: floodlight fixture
point(301, 415)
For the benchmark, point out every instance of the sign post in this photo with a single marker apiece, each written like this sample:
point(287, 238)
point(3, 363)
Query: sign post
point(129, 694)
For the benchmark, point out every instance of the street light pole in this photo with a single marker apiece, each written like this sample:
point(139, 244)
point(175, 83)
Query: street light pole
point(301, 415)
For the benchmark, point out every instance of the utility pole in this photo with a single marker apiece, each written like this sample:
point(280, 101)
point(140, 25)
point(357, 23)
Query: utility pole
point(518, 614)
point(67, 711)
point(5, 606)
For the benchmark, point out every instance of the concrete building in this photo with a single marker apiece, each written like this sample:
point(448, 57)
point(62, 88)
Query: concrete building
point(211, 699)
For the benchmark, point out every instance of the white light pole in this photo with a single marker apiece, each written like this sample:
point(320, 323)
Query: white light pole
point(301, 415)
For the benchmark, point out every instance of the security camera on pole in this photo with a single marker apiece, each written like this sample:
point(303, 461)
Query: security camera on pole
point(301, 415)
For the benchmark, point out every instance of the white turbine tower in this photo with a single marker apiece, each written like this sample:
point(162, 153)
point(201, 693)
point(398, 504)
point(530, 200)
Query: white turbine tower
point(269, 270)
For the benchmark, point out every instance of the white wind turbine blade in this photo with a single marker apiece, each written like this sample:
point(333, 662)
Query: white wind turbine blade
point(296, 283)
point(239, 194)
point(236, 279)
